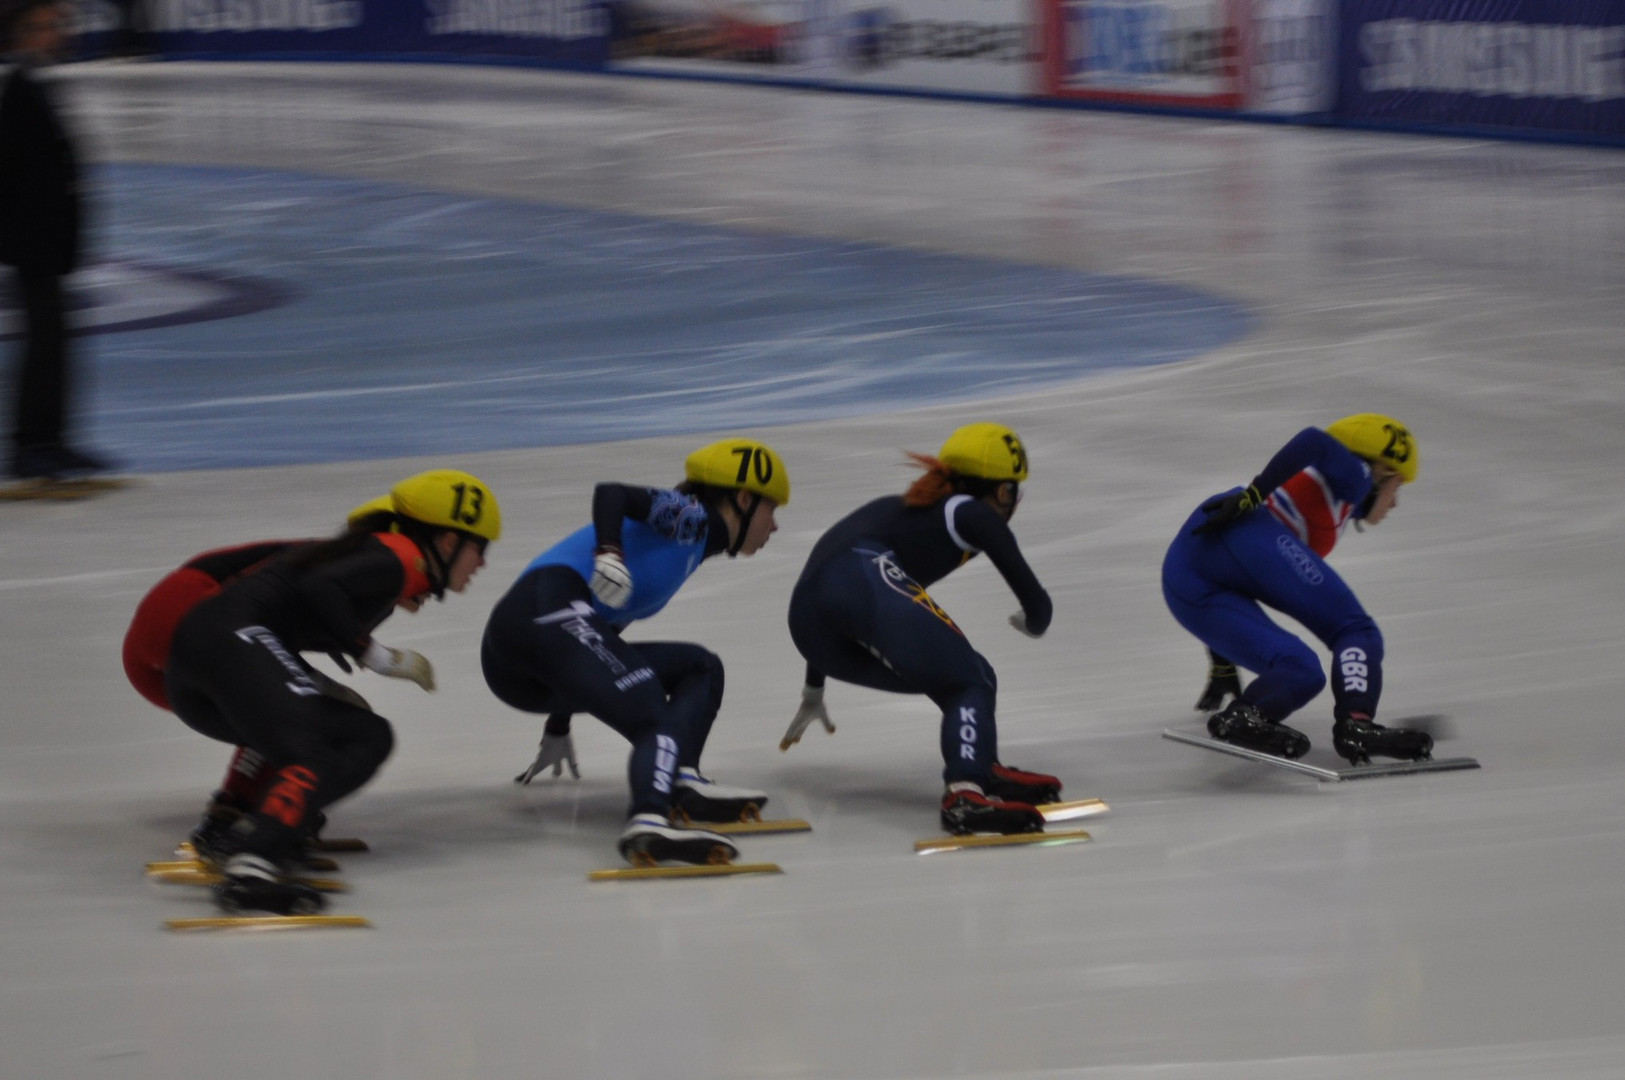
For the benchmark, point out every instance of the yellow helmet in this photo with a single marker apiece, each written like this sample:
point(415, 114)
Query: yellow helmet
point(383, 504)
point(1379, 438)
point(740, 463)
point(448, 499)
point(985, 450)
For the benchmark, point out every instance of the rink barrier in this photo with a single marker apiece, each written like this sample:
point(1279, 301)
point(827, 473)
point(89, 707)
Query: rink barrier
point(1540, 70)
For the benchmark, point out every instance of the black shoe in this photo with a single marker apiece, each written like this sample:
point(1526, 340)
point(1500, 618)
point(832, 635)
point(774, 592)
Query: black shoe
point(966, 810)
point(1357, 738)
point(256, 884)
point(1242, 725)
point(50, 461)
point(1019, 785)
point(214, 841)
point(39, 462)
point(74, 462)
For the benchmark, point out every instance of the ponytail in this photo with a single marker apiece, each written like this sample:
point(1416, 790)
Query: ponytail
point(934, 485)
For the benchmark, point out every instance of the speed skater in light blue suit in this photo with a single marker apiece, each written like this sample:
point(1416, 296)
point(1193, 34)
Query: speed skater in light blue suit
point(553, 643)
point(1265, 545)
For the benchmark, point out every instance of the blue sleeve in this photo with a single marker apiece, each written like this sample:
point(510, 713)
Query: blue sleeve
point(1349, 477)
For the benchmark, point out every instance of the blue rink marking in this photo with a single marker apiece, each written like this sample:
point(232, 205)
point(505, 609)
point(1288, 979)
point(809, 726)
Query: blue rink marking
point(422, 323)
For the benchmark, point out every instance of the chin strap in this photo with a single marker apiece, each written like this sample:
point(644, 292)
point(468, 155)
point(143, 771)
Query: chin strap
point(439, 568)
point(744, 522)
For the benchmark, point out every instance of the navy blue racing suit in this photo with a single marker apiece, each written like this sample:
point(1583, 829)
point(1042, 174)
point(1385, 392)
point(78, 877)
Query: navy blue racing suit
point(860, 613)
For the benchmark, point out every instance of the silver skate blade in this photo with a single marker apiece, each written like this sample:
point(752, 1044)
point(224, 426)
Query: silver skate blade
point(1353, 772)
point(1252, 755)
point(1405, 768)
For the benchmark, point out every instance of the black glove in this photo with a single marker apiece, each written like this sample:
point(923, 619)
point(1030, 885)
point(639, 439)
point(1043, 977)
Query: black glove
point(1222, 680)
point(1227, 508)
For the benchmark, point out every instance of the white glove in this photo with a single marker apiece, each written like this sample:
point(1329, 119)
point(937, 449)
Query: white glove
point(557, 751)
point(1019, 621)
point(812, 708)
point(399, 664)
point(611, 580)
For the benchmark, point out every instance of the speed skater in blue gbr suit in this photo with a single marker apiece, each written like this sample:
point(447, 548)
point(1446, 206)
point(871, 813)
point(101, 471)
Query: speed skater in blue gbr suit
point(553, 644)
point(860, 613)
point(1265, 545)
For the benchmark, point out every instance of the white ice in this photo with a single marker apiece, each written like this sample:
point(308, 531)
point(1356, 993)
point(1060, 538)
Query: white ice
point(1228, 921)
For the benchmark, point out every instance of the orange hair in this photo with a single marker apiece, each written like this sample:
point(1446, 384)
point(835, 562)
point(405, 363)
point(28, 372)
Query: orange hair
point(936, 484)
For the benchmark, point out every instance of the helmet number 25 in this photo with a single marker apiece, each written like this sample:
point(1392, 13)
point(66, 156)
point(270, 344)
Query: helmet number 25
point(1399, 443)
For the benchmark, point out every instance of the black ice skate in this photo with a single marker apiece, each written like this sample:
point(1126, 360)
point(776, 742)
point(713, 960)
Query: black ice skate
point(1019, 785)
point(651, 839)
point(967, 809)
point(696, 798)
point(1242, 725)
point(1357, 738)
point(255, 883)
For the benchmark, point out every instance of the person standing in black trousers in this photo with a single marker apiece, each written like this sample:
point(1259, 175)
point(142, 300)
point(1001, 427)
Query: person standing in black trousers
point(41, 223)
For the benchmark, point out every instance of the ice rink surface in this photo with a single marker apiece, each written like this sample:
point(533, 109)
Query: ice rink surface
point(1228, 921)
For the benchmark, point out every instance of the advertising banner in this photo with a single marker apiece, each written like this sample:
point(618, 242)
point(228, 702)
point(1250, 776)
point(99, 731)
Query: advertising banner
point(1291, 52)
point(963, 46)
point(569, 32)
point(1177, 53)
point(1536, 65)
point(767, 39)
point(951, 46)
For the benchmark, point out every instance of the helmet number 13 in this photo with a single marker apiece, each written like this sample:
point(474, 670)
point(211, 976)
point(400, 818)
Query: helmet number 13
point(467, 504)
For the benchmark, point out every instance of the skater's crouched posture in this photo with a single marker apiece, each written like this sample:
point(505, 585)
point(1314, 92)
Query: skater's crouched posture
point(553, 644)
point(1265, 545)
point(860, 613)
point(235, 672)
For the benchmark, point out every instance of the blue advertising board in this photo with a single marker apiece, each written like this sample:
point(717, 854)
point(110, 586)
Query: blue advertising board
point(1532, 66)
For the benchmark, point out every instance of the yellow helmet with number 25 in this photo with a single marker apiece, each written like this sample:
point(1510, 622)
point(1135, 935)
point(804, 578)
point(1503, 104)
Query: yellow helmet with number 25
point(743, 464)
point(449, 499)
point(1379, 438)
point(985, 450)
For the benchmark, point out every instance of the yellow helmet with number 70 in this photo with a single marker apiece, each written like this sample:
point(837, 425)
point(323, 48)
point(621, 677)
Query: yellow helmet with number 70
point(742, 464)
point(449, 499)
point(987, 451)
point(1379, 439)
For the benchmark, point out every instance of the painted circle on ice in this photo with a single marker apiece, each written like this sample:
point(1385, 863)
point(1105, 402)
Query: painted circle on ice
point(110, 297)
point(407, 322)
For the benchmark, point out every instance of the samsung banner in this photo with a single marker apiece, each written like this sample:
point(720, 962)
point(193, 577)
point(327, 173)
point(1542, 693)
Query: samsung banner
point(1535, 65)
